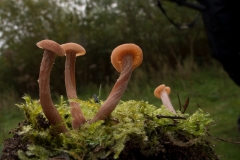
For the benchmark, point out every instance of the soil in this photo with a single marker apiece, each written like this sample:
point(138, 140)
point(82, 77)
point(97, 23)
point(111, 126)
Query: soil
point(134, 150)
point(131, 151)
point(12, 145)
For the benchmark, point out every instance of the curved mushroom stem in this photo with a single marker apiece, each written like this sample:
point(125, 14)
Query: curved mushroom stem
point(48, 107)
point(117, 91)
point(77, 115)
point(166, 101)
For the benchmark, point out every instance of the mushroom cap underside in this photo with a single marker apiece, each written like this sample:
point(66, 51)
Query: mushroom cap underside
point(126, 49)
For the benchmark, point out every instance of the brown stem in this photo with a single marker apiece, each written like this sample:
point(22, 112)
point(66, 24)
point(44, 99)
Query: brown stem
point(117, 91)
point(48, 107)
point(77, 115)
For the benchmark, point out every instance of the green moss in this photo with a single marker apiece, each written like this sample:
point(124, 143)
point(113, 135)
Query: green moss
point(134, 122)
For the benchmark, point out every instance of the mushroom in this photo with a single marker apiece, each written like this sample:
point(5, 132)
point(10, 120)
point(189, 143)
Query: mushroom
point(51, 49)
point(125, 58)
point(72, 51)
point(162, 93)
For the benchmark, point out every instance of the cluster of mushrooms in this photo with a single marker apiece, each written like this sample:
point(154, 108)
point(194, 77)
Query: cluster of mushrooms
point(125, 58)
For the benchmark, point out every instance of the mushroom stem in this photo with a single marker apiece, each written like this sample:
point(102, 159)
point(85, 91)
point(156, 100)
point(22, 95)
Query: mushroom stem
point(162, 93)
point(166, 101)
point(117, 91)
point(48, 107)
point(70, 70)
point(77, 115)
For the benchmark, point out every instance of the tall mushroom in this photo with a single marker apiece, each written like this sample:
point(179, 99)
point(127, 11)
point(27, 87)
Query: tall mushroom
point(72, 51)
point(162, 93)
point(125, 58)
point(51, 49)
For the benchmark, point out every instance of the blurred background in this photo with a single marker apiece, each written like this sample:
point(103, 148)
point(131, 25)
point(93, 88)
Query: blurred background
point(180, 59)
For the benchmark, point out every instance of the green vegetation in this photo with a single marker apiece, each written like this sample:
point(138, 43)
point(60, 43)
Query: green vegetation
point(101, 27)
point(211, 90)
point(10, 114)
point(130, 121)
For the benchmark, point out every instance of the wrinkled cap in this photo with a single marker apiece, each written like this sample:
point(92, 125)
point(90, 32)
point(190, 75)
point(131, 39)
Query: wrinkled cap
point(158, 91)
point(126, 49)
point(73, 48)
point(51, 46)
point(168, 90)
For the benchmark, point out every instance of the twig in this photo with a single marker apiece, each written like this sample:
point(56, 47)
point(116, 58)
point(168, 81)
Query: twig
point(180, 106)
point(185, 105)
point(223, 140)
point(171, 117)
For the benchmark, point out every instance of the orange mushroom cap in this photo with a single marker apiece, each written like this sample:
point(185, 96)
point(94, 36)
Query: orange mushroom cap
point(51, 46)
point(76, 48)
point(126, 49)
point(168, 90)
point(158, 90)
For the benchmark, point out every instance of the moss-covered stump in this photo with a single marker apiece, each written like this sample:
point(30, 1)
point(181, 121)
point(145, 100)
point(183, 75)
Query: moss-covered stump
point(135, 130)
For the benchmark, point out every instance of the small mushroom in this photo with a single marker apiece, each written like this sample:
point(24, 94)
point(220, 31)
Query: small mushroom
point(162, 93)
point(72, 51)
point(125, 58)
point(51, 49)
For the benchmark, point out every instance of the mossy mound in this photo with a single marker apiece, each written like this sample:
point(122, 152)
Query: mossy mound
point(135, 130)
